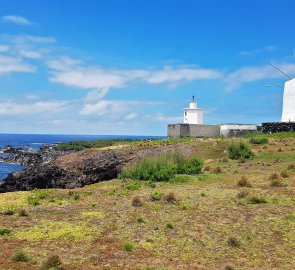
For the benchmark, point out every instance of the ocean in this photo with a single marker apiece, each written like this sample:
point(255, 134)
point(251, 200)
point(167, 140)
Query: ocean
point(36, 140)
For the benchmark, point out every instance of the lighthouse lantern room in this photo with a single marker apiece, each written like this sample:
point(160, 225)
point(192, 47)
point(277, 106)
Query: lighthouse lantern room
point(193, 114)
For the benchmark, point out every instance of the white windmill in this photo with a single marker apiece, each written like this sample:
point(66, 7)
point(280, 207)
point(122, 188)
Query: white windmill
point(288, 110)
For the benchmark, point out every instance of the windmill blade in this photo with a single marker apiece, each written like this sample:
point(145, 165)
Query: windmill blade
point(280, 71)
point(275, 84)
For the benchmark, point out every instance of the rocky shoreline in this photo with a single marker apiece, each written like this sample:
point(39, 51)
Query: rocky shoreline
point(51, 167)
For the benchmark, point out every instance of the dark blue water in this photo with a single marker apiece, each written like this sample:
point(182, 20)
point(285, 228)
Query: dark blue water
point(36, 140)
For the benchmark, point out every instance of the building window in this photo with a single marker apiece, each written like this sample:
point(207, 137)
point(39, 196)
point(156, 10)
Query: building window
point(185, 113)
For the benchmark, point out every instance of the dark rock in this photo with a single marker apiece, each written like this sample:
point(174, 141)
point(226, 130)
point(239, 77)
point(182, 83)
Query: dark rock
point(274, 127)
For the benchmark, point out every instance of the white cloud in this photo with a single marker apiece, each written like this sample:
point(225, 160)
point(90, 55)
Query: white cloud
point(22, 39)
point(30, 54)
point(75, 74)
point(115, 108)
point(10, 108)
point(268, 48)
point(131, 116)
point(16, 20)
point(12, 64)
point(4, 48)
point(170, 75)
point(255, 73)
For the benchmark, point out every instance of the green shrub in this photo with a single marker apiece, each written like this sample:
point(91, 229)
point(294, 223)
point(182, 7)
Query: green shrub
point(132, 186)
point(156, 196)
point(8, 211)
point(233, 242)
point(257, 199)
point(33, 201)
point(169, 226)
point(163, 167)
point(4, 231)
point(239, 151)
point(258, 140)
point(140, 220)
point(128, 246)
point(20, 256)
point(53, 262)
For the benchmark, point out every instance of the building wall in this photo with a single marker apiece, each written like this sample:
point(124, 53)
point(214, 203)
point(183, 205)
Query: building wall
point(236, 130)
point(191, 130)
point(288, 113)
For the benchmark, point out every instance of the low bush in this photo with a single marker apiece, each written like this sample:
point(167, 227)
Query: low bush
point(207, 168)
point(284, 174)
point(22, 212)
point(258, 140)
point(4, 231)
point(20, 256)
point(239, 151)
point(291, 167)
point(169, 226)
point(140, 220)
point(137, 201)
point(132, 186)
point(156, 196)
point(257, 199)
point(129, 246)
point(242, 194)
point(277, 183)
point(53, 262)
point(170, 198)
point(33, 201)
point(244, 182)
point(8, 211)
point(163, 167)
point(217, 170)
point(233, 242)
point(274, 176)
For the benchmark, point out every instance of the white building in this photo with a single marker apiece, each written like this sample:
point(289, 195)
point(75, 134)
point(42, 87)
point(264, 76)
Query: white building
point(288, 114)
point(193, 114)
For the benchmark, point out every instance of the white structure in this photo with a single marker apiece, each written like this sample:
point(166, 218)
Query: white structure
point(231, 130)
point(288, 114)
point(193, 114)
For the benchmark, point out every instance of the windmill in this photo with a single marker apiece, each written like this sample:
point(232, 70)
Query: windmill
point(288, 102)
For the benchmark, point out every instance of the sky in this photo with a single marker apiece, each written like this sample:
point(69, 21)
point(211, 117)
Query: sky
point(129, 67)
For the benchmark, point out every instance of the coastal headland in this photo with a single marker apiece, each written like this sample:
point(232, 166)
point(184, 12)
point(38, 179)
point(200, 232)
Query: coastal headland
point(74, 206)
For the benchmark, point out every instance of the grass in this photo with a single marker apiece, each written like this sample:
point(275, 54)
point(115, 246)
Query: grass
point(20, 256)
point(129, 246)
point(211, 222)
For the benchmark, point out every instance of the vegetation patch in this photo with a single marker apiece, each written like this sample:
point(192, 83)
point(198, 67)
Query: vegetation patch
point(163, 167)
point(258, 140)
point(244, 182)
point(5, 231)
point(20, 256)
point(239, 151)
point(47, 230)
point(129, 246)
point(53, 262)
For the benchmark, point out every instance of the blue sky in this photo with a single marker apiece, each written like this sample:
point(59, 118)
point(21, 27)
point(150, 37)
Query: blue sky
point(130, 67)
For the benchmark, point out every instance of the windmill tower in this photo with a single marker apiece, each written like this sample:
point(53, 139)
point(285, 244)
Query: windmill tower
point(288, 111)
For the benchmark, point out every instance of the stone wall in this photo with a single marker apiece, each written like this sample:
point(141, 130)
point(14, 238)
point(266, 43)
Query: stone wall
point(192, 130)
point(273, 127)
point(236, 130)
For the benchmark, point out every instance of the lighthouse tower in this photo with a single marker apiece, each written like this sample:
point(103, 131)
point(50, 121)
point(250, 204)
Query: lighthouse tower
point(193, 114)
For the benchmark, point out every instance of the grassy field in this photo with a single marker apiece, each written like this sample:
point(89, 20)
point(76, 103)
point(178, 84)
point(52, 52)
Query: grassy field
point(234, 215)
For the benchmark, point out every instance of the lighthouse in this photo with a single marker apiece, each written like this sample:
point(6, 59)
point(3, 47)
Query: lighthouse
point(193, 114)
